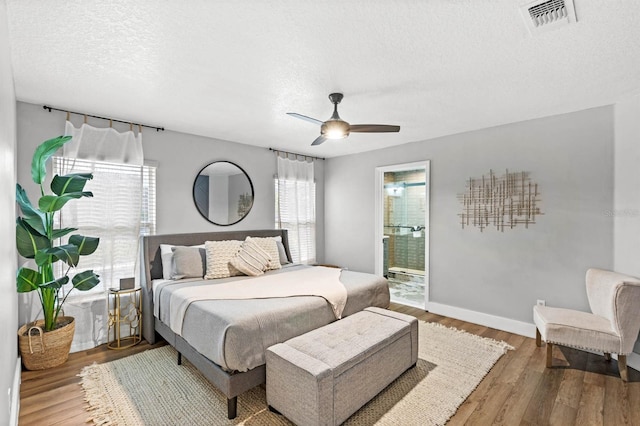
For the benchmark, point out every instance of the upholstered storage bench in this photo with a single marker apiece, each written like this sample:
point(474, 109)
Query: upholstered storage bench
point(324, 376)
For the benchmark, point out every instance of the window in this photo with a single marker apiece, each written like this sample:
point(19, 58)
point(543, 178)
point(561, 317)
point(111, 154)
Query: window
point(110, 215)
point(296, 212)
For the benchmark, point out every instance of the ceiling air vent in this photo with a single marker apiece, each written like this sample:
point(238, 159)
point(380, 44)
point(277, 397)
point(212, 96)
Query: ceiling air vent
point(545, 15)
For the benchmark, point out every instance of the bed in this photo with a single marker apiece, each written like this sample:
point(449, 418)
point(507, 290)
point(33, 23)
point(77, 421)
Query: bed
point(226, 340)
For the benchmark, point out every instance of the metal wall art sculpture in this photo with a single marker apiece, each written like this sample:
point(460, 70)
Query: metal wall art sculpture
point(502, 201)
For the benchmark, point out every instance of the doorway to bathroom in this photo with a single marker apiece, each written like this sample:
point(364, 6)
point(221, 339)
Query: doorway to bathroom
point(402, 231)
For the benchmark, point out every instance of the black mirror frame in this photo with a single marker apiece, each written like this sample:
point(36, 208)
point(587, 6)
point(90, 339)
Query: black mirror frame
point(193, 192)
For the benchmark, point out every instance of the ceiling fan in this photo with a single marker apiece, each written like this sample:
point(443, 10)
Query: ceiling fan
point(337, 128)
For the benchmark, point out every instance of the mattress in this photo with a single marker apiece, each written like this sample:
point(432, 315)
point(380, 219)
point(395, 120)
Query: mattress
point(236, 333)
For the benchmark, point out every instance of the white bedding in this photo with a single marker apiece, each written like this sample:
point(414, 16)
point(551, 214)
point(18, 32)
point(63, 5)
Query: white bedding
point(318, 281)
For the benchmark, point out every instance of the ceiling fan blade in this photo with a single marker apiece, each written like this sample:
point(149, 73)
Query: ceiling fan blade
point(373, 128)
point(320, 139)
point(305, 118)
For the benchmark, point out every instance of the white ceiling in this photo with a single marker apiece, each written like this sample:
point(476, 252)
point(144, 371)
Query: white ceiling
point(232, 69)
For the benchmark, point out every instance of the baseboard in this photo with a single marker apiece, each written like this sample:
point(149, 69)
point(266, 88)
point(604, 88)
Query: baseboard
point(505, 324)
point(501, 323)
point(15, 394)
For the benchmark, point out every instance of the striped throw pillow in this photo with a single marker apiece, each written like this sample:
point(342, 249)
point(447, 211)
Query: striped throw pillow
point(268, 244)
point(251, 259)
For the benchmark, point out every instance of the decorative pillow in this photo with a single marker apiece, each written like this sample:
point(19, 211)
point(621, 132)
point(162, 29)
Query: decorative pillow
point(269, 245)
point(282, 254)
point(251, 259)
point(188, 262)
point(219, 254)
point(166, 256)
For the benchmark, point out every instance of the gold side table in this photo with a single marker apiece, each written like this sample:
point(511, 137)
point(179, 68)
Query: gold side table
point(125, 308)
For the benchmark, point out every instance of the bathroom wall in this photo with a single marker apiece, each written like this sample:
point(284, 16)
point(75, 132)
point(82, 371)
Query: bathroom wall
point(407, 209)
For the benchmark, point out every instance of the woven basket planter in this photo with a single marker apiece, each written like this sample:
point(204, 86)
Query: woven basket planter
point(40, 350)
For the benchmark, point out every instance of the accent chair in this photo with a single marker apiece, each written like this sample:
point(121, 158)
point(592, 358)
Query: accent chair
point(612, 326)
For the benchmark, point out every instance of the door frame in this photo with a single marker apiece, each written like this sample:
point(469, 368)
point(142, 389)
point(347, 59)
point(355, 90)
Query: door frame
point(379, 219)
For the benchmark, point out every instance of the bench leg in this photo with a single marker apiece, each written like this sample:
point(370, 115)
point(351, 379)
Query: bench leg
point(607, 356)
point(232, 407)
point(549, 354)
point(179, 358)
point(273, 410)
point(538, 338)
point(622, 367)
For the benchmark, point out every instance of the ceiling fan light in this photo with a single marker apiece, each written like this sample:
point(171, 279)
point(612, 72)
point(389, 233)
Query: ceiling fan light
point(335, 129)
point(335, 134)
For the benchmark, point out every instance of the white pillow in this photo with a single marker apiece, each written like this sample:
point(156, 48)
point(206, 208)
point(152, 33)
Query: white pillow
point(219, 254)
point(251, 259)
point(166, 256)
point(269, 245)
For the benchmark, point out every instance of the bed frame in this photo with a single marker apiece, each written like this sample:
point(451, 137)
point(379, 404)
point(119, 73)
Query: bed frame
point(231, 384)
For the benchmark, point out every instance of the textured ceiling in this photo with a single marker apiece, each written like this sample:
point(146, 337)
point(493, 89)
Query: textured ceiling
point(232, 69)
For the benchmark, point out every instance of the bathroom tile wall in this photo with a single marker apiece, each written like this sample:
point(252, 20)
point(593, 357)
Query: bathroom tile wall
point(405, 250)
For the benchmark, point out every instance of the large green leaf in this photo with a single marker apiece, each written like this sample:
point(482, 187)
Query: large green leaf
point(53, 203)
point(85, 280)
point(61, 185)
point(42, 154)
point(28, 240)
point(59, 233)
point(86, 245)
point(68, 253)
point(31, 215)
point(55, 284)
point(27, 280)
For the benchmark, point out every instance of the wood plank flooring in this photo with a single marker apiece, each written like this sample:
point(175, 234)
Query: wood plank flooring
point(581, 389)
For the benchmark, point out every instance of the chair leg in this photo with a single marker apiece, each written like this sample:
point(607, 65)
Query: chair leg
point(549, 354)
point(538, 338)
point(607, 356)
point(622, 367)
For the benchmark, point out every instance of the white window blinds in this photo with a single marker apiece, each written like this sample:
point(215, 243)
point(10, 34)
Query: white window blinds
point(295, 205)
point(111, 216)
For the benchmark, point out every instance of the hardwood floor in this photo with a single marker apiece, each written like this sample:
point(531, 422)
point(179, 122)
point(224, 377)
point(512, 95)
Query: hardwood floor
point(581, 389)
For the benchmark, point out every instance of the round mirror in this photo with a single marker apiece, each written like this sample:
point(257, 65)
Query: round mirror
point(223, 193)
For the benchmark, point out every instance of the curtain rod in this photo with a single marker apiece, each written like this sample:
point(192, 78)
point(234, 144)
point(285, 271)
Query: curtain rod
point(297, 155)
point(102, 118)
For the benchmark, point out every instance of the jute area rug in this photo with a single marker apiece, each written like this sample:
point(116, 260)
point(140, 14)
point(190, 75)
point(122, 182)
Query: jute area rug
point(149, 388)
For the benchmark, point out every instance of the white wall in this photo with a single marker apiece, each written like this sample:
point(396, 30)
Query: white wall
point(8, 294)
point(180, 157)
point(626, 210)
point(498, 273)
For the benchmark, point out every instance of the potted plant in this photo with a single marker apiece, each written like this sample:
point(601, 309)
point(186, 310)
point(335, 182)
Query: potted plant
point(46, 343)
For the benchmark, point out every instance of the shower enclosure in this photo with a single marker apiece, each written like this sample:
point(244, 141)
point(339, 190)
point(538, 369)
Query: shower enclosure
point(403, 226)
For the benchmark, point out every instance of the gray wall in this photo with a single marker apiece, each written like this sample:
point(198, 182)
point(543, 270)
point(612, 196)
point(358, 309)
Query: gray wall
point(626, 210)
point(499, 273)
point(180, 157)
point(8, 294)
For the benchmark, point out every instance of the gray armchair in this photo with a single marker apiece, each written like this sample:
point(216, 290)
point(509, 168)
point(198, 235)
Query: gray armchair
point(612, 326)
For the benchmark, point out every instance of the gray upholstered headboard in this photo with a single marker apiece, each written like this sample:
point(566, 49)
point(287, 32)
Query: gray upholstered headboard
point(152, 263)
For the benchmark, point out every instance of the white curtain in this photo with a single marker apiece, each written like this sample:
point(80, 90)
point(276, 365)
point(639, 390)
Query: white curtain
point(296, 206)
point(112, 214)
